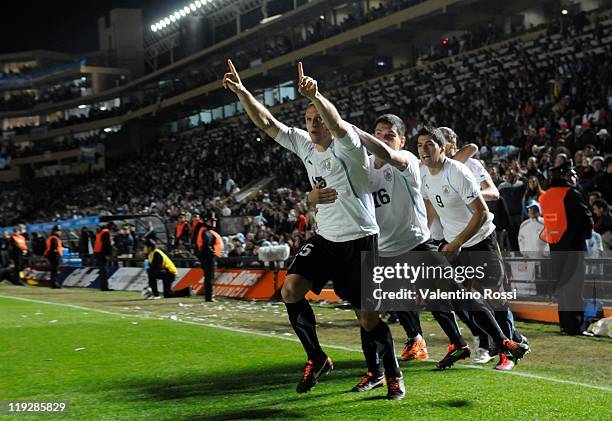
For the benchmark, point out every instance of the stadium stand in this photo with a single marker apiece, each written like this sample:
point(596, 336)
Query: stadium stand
point(539, 94)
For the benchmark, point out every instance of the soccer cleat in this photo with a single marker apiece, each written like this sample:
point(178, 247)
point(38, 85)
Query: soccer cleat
point(312, 373)
point(515, 349)
point(415, 349)
point(395, 388)
point(453, 355)
point(482, 356)
point(505, 363)
point(369, 382)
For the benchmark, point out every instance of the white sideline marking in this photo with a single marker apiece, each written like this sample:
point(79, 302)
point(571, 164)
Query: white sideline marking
point(285, 338)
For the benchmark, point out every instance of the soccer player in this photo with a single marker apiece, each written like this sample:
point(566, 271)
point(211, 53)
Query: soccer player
point(486, 350)
point(451, 193)
point(393, 170)
point(334, 158)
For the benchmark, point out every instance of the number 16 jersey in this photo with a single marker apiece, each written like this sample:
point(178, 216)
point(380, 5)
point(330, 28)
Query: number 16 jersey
point(399, 206)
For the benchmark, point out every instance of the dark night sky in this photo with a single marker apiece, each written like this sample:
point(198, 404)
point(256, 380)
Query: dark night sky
point(66, 25)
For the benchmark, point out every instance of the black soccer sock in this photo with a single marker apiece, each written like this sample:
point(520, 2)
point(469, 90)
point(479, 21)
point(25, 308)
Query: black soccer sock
point(447, 322)
point(303, 321)
point(411, 323)
point(383, 340)
point(468, 319)
point(372, 358)
point(505, 320)
point(486, 321)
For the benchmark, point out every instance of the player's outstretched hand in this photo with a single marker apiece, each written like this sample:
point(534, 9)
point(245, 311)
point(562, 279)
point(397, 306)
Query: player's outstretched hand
point(231, 80)
point(307, 86)
point(319, 196)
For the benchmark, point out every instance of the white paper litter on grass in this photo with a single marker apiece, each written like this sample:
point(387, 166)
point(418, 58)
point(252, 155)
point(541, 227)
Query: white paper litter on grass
point(52, 321)
point(134, 323)
point(79, 349)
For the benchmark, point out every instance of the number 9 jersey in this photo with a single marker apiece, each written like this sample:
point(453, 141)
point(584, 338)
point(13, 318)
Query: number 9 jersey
point(450, 192)
point(399, 206)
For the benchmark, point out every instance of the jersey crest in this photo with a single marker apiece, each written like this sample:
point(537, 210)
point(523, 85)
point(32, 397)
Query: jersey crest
point(327, 164)
point(388, 174)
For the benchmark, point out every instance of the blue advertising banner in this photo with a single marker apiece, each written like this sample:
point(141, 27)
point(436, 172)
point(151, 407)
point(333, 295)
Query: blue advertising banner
point(65, 224)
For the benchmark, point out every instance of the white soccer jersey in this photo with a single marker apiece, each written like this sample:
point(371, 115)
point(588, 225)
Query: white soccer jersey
point(400, 210)
point(436, 231)
point(479, 171)
point(450, 192)
point(343, 167)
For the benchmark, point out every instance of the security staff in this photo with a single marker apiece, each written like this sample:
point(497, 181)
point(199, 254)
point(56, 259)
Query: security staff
point(18, 249)
point(209, 245)
point(567, 225)
point(196, 224)
point(103, 249)
point(160, 267)
point(182, 232)
point(53, 253)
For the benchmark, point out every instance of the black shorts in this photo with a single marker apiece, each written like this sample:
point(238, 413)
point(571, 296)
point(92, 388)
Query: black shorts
point(487, 255)
point(321, 261)
point(425, 254)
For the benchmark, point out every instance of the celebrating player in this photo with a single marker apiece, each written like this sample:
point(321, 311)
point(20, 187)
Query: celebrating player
point(334, 158)
point(395, 183)
point(451, 193)
point(486, 349)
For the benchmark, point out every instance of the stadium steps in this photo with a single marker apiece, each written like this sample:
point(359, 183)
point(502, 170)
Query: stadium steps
point(252, 188)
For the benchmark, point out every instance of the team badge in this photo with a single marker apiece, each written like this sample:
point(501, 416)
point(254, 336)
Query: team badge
point(327, 164)
point(445, 189)
point(388, 175)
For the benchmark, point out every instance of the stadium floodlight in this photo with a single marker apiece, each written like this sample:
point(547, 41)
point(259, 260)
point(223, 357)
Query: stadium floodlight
point(153, 28)
point(564, 11)
point(172, 18)
point(192, 7)
point(183, 14)
point(177, 15)
point(198, 4)
point(159, 27)
point(186, 10)
point(167, 20)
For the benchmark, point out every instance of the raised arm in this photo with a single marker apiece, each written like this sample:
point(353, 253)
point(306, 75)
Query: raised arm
point(256, 111)
point(381, 150)
point(307, 86)
point(465, 153)
point(488, 190)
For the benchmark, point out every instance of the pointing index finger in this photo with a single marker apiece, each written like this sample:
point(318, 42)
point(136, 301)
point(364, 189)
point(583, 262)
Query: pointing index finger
point(300, 71)
point(231, 67)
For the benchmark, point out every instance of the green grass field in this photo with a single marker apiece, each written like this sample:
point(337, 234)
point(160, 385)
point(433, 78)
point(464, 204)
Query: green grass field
point(180, 359)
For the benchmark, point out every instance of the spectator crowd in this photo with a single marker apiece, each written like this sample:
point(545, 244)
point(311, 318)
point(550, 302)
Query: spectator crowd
point(529, 105)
